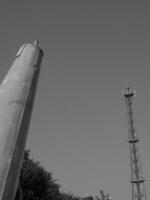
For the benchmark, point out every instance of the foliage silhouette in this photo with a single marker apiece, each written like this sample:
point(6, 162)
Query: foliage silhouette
point(38, 184)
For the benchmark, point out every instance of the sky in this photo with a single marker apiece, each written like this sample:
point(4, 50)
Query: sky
point(92, 51)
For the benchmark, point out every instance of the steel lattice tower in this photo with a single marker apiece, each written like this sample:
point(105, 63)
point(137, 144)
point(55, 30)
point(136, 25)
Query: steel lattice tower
point(137, 180)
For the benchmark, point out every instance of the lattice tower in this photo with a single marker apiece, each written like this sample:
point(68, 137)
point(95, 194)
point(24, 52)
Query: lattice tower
point(137, 180)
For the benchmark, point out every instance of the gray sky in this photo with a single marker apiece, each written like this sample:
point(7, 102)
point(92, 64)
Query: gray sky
point(93, 49)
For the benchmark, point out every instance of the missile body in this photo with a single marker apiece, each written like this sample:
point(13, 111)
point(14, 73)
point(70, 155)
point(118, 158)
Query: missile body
point(17, 94)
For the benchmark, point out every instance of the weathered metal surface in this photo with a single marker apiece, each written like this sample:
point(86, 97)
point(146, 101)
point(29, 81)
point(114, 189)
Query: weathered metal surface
point(17, 93)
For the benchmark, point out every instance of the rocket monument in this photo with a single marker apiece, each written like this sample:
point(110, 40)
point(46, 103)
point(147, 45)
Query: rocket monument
point(17, 93)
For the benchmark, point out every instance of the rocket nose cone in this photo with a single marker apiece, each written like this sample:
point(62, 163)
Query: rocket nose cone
point(36, 43)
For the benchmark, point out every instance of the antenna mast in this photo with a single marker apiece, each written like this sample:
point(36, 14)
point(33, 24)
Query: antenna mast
point(137, 180)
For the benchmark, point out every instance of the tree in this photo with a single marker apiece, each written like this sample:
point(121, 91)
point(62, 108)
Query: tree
point(103, 196)
point(35, 182)
point(65, 196)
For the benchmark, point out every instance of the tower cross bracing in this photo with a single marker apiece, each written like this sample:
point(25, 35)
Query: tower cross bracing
point(137, 180)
